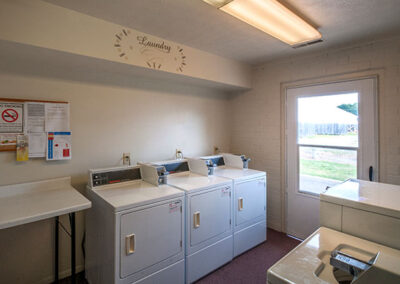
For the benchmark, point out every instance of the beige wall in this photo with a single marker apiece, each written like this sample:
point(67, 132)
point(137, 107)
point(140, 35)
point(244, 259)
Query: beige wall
point(41, 24)
point(257, 113)
point(145, 117)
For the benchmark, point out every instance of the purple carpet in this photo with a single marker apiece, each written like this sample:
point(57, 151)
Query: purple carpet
point(251, 267)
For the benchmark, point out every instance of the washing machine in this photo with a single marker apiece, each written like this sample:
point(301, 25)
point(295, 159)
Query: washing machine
point(208, 211)
point(330, 256)
point(135, 229)
point(249, 199)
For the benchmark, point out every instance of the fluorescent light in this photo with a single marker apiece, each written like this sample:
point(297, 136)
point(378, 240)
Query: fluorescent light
point(271, 17)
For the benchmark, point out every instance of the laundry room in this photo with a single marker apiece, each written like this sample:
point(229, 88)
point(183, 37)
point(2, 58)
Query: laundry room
point(202, 141)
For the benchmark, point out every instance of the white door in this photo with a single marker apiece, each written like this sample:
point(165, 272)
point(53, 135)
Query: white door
point(331, 135)
point(210, 214)
point(149, 236)
point(250, 201)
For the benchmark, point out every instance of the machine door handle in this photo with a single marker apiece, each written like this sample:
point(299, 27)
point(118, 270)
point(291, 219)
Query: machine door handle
point(130, 243)
point(371, 173)
point(196, 219)
point(240, 203)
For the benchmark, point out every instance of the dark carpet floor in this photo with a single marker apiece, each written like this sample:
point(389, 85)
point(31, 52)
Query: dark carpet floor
point(248, 268)
point(251, 267)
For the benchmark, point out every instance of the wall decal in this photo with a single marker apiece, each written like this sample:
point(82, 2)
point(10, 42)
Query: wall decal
point(156, 53)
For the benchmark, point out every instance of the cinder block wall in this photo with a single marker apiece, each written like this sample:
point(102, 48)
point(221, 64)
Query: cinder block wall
point(257, 121)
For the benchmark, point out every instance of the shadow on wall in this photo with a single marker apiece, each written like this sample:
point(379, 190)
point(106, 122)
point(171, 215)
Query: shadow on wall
point(21, 59)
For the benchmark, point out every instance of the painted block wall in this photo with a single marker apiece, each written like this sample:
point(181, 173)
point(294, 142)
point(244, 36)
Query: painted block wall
point(256, 124)
point(110, 114)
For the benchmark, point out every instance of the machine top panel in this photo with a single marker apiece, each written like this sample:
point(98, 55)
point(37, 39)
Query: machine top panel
point(237, 174)
point(191, 182)
point(137, 193)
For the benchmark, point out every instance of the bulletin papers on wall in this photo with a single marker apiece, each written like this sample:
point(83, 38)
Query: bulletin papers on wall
point(45, 127)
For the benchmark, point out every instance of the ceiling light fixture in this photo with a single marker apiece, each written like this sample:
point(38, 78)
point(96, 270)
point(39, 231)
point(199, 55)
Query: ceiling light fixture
point(271, 17)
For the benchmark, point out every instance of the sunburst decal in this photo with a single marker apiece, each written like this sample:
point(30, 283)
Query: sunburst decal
point(181, 59)
point(121, 43)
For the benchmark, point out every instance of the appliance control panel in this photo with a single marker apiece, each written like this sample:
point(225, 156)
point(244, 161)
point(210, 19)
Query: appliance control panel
point(111, 176)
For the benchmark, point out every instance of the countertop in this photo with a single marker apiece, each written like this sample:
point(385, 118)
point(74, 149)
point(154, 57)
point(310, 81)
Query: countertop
point(29, 202)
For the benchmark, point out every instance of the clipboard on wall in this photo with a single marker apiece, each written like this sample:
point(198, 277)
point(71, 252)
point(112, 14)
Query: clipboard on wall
point(13, 120)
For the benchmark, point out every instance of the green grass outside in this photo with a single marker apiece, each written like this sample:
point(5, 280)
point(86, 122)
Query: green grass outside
point(331, 170)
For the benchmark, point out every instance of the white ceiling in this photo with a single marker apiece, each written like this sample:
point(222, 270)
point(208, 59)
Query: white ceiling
point(199, 25)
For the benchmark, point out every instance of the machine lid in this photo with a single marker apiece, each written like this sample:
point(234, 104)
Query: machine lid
point(137, 193)
point(374, 197)
point(237, 174)
point(188, 181)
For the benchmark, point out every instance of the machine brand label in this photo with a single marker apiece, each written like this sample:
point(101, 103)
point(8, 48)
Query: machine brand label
point(174, 206)
point(225, 191)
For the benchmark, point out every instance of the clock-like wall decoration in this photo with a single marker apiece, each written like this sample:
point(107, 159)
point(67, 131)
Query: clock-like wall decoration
point(155, 53)
point(122, 44)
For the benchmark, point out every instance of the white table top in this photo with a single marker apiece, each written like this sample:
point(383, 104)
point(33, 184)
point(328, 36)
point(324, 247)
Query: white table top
point(236, 173)
point(29, 202)
point(131, 194)
point(365, 195)
point(191, 182)
point(309, 261)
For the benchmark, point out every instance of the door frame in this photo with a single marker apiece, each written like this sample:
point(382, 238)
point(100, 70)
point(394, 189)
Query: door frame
point(377, 74)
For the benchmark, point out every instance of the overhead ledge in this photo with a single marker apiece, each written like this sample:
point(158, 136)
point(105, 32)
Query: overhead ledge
point(41, 24)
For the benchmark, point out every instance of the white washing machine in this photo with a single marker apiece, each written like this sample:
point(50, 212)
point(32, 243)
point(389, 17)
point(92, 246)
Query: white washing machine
point(249, 199)
point(369, 210)
point(209, 242)
point(329, 256)
point(135, 229)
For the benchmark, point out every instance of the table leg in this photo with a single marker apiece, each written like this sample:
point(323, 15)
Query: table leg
point(73, 246)
point(56, 251)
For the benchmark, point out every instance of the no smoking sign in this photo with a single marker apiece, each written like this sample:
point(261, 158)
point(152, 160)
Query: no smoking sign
point(11, 117)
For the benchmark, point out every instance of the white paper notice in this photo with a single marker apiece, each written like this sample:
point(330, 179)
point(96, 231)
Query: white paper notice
point(58, 146)
point(56, 117)
point(37, 145)
point(34, 117)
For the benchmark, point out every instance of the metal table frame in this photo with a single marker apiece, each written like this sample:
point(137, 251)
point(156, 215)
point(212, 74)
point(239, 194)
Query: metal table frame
point(72, 235)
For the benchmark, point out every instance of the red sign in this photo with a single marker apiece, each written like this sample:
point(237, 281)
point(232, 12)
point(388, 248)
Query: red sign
point(9, 115)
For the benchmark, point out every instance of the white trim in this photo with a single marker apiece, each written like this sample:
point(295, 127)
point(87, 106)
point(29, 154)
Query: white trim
point(376, 73)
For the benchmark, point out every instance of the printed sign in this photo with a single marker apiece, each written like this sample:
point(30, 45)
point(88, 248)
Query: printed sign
point(58, 146)
point(156, 53)
point(11, 117)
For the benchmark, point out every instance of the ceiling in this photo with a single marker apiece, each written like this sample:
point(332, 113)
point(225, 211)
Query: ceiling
point(199, 25)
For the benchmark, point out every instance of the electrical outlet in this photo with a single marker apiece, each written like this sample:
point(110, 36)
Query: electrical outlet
point(216, 150)
point(178, 154)
point(126, 159)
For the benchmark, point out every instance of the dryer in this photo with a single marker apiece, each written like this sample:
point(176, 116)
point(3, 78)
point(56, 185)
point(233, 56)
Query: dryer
point(249, 199)
point(209, 242)
point(135, 229)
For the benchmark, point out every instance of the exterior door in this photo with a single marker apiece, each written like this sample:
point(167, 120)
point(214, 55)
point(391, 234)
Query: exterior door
point(331, 136)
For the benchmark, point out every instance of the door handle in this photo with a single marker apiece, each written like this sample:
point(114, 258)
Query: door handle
point(130, 243)
point(371, 173)
point(240, 205)
point(196, 219)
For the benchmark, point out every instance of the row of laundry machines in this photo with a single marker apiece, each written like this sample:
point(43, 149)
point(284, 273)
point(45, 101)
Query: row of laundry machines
point(172, 221)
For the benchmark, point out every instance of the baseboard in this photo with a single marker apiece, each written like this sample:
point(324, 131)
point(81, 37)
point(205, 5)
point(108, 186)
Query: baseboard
point(61, 275)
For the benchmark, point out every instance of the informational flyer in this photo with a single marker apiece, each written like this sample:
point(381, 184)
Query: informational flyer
point(11, 117)
point(58, 146)
point(34, 117)
point(56, 117)
point(37, 145)
point(9, 139)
